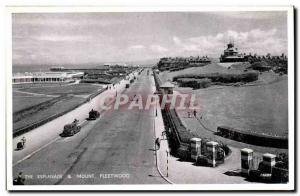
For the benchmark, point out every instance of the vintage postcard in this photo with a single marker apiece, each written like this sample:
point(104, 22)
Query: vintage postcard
point(150, 98)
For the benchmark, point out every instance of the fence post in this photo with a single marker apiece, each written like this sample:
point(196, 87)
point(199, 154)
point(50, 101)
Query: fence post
point(211, 151)
point(246, 161)
point(195, 146)
point(269, 162)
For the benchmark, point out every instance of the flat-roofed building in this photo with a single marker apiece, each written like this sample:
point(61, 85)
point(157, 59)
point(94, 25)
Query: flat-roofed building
point(45, 77)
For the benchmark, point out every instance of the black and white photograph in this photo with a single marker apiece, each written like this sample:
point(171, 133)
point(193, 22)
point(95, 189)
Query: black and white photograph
point(112, 98)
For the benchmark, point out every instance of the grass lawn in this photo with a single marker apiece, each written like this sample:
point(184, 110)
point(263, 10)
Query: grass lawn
point(64, 89)
point(262, 108)
point(58, 107)
point(22, 102)
point(198, 130)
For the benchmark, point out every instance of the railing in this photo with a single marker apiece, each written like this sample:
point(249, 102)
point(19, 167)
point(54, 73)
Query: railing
point(157, 81)
point(172, 125)
point(169, 118)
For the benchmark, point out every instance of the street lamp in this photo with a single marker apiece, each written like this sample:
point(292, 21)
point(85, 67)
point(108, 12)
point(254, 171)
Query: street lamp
point(156, 109)
point(157, 99)
point(167, 162)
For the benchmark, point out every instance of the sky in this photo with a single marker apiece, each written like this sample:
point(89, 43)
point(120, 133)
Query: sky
point(79, 38)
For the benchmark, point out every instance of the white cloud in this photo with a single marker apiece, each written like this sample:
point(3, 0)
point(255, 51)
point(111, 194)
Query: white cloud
point(176, 40)
point(158, 48)
point(251, 15)
point(62, 38)
point(136, 47)
point(254, 41)
point(61, 20)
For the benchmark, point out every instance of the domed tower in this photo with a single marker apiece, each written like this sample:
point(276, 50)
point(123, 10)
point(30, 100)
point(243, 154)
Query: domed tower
point(231, 54)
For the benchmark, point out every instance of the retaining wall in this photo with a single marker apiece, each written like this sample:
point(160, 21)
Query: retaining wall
point(252, 138)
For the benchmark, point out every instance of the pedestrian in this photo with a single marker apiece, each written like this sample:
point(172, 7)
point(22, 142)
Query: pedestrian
point(189, 114)
point(163, 134)
point(23, 140)
point(195, 113)
point(75, 121)
point(20, 179)
point(157, 142)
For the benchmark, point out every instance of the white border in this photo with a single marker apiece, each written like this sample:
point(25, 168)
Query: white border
point(53, 9)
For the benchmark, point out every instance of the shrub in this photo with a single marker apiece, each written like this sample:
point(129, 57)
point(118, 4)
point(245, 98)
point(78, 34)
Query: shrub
point(183, 153)
point(201, 160)
point(223, 77)
point(254, 175)
point(280, 175)
point(282, 161)
point(194, 83)
point(224, 147)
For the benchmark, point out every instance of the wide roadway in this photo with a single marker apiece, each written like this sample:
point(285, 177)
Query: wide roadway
point(118, 148)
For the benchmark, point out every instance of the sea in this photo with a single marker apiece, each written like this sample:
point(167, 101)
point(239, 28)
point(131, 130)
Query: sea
point(44, 68)
point(30, 68)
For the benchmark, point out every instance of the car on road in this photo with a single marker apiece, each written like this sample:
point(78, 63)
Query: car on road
point(93, 115)
point(70, 129)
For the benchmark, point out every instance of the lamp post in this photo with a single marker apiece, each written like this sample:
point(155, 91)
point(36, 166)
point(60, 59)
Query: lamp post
point(155, 153)
point(156, 109)
point(156, 103)
point(167, 163)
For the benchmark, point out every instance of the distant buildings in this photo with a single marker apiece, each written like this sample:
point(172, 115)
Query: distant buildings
point(107, 73)
point(174, 63)
point(231, 55)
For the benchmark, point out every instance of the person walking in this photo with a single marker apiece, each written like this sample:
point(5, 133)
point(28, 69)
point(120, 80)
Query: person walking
point(19, 180)
point(157, 143)
point(23, 141)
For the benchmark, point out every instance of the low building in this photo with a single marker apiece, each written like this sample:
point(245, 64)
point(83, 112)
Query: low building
point(57, 68)
point(45, 77)
point(167, 88)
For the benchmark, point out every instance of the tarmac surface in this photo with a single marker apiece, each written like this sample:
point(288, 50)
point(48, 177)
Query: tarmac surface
point(117, 148)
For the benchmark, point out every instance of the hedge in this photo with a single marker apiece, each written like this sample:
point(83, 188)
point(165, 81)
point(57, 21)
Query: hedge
point(223, 77)
point(194, 83)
